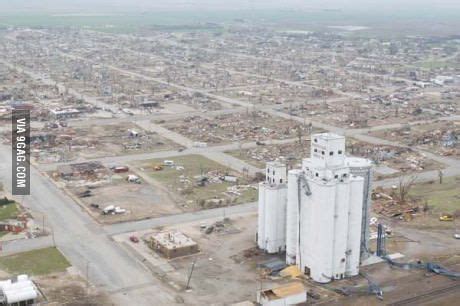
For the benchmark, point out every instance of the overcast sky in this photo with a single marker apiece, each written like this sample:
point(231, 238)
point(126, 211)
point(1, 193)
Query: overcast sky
point(16, 5)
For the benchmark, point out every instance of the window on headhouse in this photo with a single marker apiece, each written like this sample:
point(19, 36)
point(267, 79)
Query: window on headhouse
point(316, 174)
point(281, 181)
point(316, 140)
point(331, 153)
point(322, 152)
point(316, 150)
point(340, 151)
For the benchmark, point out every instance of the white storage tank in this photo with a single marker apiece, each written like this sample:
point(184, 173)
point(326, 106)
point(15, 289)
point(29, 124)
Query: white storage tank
point(261, 217)
point(275, 219)
point(292, 216)
point(354, 226)
point(271, 229)
point(363, 168)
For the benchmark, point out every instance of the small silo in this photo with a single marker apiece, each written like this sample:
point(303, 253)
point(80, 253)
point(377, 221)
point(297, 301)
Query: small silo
point(271, 230)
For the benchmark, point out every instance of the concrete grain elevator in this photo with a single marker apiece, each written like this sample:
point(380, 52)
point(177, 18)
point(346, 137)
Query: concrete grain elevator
point(326, 214)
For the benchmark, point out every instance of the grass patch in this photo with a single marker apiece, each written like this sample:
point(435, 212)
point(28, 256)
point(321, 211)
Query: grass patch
point(9, 211)
point(193, 165)
point(37, 262)
point(196, 165)
point(443, 197)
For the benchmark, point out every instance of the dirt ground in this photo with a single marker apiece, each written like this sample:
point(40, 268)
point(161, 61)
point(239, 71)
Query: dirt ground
point(358, 114)
point(248, 126)
point(73, 143)
point(432, 137)
point(68, 289)
point(291, 153)
point(390, 161)
point(140, 200)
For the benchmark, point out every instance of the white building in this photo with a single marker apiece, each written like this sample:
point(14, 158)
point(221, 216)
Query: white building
point(289, 294)
point(271, 234)
point(18, 291)
point(327, 211)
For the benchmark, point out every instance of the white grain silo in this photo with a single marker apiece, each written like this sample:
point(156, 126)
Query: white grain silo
point(292, 216)
point(328, 200)
point(363, 168)
point(271, 231)
point(261, 217)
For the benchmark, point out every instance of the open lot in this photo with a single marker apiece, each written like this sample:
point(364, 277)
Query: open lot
point(439, 137)
point(57, 144)
point(65, 288)
point(276, 93)
point(196, 182)
point(443, 197)
point(9, 211)
point(96, 187)
point(37, 262)
point(359, 113)
point(248, 126)
point(422, 204)
point(291, 153)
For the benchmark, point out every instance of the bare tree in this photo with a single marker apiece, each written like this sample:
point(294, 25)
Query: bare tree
point(405, 185)
point(299, 133)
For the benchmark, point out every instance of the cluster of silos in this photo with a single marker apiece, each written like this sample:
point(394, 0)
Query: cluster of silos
point(326, 211)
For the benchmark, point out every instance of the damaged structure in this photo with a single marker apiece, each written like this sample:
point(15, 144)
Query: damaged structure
point(321, 216)
point(173, 244)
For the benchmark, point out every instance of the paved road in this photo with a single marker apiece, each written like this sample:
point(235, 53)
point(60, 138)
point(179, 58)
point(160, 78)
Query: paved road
point(82, 240)
point(24, 245)
point(126, 227)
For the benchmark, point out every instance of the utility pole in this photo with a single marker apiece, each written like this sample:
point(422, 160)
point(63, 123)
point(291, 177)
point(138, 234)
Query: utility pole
point(87, 279)
point(190, 274)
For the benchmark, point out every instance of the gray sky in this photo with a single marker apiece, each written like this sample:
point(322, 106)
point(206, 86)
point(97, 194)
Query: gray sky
point(6, 5)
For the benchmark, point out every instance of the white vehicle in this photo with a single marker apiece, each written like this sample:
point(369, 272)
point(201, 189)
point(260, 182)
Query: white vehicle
point(119, 210)
point(457, 236)
point(108, 210)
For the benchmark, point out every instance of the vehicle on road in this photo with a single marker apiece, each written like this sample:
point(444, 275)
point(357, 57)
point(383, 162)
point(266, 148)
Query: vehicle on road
point(134, 239)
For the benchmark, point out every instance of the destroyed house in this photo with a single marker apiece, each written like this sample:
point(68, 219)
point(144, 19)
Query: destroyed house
point(81, 169)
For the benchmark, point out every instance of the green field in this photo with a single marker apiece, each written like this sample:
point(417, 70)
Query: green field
point(443, 197)
point(38, 262)
point(195, 165)
point(9, 211)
